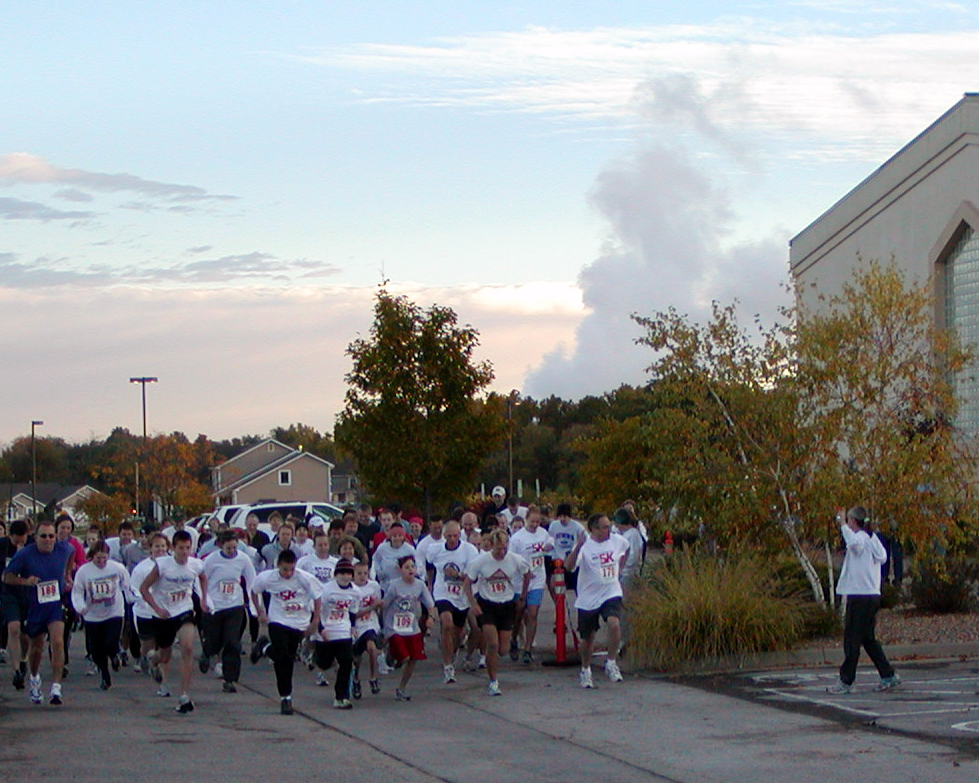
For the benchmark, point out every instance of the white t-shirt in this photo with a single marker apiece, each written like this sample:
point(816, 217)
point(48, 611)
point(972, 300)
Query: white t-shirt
point(449, 588)
point(598, 571)
point(494, 578)
point(98, 593)
point(303, 549)
point(136, 579)
point(321, 568)
point(565, 537)
point(370, 597)
point(292, 599)
point(532, 547)
point(195, 536)
point(175, 588)
point(224, 575)
point(338, 604)
point(385, 562)
point(423, 546)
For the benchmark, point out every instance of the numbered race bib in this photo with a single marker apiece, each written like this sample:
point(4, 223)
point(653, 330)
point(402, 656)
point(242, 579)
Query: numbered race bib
point(608, 573)
point(453, 588)
point(48, 592)
point(403, 621)
point(177, 596)
point(292, 609)
point(498, 587)
point(103, 590)
point(229, 587)
point(536, 562)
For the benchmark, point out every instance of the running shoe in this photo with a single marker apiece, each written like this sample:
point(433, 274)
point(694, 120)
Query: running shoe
point(19, 679)
point(528, 657)
point(839, 687)
point(343, 704)
point(115, 662)
point(493, 689)
point(34, 688)
point(138, 666)
point(585, 678)
point(356, 690)
point(124, 658)
point(185, 705)
point(219, 670)
point(321, 679)
point(105, 685)
point(228, 687)
point(887, 683)
point(514, 650)
point(285, 706)
point(155, 671)
point(468, 665)
point(259, 649)
point(375, 686)
point(449, 673)
point(92, 670)
point(382, 666)
point(482, 661)
point(204, 663)
point(163, 692)
point(612, 670)
point(401, 695)
point(55, 697)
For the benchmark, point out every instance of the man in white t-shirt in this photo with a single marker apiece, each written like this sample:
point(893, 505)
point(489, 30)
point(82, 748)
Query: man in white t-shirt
point(533, 543)
point(599, 560)
point(447, 561)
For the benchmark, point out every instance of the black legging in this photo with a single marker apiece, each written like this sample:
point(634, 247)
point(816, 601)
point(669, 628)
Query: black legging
point(284, 645)
point(222, 634)
point(341, 651)
point(103, 641)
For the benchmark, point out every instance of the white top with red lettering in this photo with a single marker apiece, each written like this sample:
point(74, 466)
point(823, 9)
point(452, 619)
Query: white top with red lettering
point(598, 571)
point(292, 599)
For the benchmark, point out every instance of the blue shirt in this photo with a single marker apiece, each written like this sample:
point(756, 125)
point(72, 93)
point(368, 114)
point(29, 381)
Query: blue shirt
point(47, 567)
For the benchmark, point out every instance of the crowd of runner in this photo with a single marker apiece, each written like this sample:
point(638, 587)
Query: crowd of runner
point(353, 599)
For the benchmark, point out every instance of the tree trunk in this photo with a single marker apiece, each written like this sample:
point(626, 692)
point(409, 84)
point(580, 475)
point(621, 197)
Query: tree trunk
point(807, 567)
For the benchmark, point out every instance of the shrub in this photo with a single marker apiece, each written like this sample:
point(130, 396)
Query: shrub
point(944, 585)
point(694, 606)
point(890, 596)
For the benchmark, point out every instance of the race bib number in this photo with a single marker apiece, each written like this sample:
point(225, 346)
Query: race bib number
point(453, 588)
point(48, 592)
point(498, 587)
point(103, 590)
point(537, 562)
point(177, 596)
point(228, 587)
point(608, 573)
point(403, 621)
point(292, 609)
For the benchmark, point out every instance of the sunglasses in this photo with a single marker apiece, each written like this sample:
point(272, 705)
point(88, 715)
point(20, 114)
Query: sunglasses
point(45, 535)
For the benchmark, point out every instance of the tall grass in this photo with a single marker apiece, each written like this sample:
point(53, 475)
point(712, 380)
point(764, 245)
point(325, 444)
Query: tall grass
point(694, 606)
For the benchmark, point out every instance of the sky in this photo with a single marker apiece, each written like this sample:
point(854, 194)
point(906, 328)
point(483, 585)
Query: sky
point(212, 192)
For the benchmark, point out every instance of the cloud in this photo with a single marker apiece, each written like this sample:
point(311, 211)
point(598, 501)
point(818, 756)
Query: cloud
point(71, 194)
point(755, 77)
point(230, 361)
point(17, 209)
point(22, 168)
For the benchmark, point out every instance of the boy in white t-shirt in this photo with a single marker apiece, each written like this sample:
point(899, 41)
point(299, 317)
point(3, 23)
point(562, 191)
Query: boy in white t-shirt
point(367, 629)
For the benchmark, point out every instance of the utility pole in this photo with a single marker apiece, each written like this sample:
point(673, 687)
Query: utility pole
point(142, 381)
point(34, 423)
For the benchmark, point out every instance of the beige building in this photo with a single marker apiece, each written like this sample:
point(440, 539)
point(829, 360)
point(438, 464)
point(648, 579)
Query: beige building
point(272, 471)
point(920, 208)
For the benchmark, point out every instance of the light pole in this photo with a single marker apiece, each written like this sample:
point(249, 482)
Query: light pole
point(34, 423)
point(509, 412)
point(142, 381)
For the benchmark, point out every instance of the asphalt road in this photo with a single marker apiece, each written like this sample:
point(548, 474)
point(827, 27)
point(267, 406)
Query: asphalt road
point(544, 728)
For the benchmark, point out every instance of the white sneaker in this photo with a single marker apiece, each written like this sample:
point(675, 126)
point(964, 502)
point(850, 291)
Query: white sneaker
point(482, 661)
point(493, 689)
point(586, 680)
point(163, 691)
point(219, 671)
point(92, 670)
point(55, 697)
point(612, 670)
point(839, 687)
point(449, 672)
point(382, 666)
point(34, 688)
point(321, 678)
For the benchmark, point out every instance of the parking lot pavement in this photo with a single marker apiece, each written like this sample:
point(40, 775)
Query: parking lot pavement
point(936, 700)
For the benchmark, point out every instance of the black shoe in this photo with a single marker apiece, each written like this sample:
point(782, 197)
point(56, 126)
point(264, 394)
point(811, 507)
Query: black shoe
point(115, 663)
point(204, 664)
point(514, 650)
point(19, 679)
point(185, 706)
point(258, 649)
point(64, 672)
point(105, 685)
point(356, 689)
point(228, 687)
point(285, 707)
point(375, 686)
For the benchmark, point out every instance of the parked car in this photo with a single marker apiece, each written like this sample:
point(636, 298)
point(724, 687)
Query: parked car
point(314, 514)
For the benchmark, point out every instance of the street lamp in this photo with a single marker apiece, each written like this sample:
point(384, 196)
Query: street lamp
point(34, 423)
point(142, 381)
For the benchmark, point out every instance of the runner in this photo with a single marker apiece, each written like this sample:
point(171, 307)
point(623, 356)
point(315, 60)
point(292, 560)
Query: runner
point(143, 615)
point(389, 554)
point(599, 560)
point(367, 629)
point(225, 607)
point(13, 603)
point(320, 564)
point(294, 613)
point(168, 589)
point(448, 560)
point(340, 606)
point(45, 568)
point(98, 595)
point(493, 605)
point(532, 543)
point(405, 603)
point(65, 527)
point(566, 532)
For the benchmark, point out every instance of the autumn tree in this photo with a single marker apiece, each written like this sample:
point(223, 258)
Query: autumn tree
point(413, 421)
point(105, 510)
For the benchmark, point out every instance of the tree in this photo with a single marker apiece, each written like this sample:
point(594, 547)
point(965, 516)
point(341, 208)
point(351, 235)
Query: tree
point(106, 511)
point(412, 421)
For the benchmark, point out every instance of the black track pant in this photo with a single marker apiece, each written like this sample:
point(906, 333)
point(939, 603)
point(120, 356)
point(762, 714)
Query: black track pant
point(284, 645)
point(103, 642)
point(222, 634)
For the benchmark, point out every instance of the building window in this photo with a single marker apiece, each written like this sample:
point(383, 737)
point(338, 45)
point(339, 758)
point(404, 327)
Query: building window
point(270, 447)
point(962, 315)
point(285, 478)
